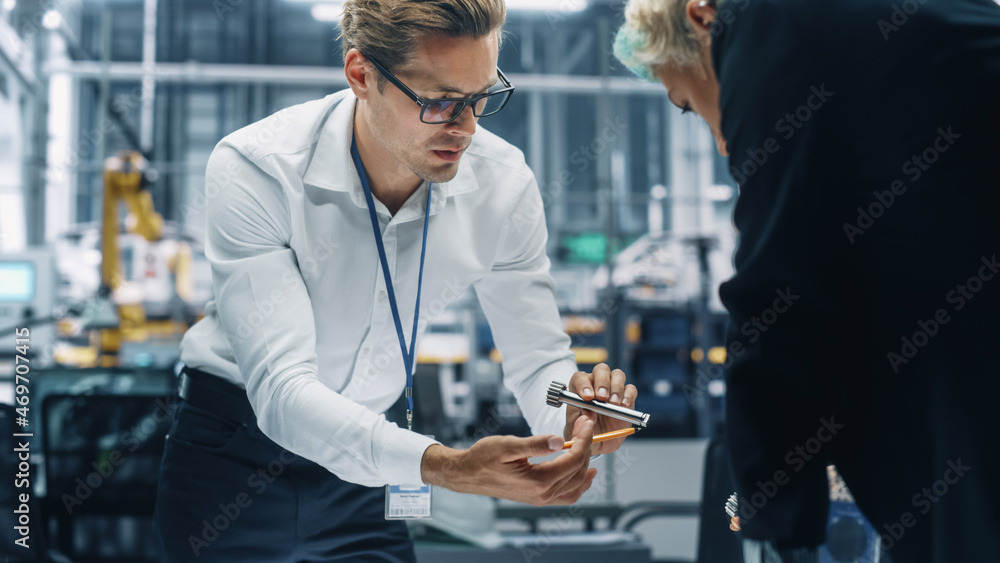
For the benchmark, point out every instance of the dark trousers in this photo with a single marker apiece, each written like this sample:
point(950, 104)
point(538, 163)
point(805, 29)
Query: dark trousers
point(227, 493)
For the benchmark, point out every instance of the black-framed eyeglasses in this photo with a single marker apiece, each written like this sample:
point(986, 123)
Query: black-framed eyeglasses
point(445, 110)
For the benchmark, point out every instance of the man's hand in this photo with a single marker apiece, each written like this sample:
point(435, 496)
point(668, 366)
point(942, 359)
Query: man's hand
point(610, 387)
point(498, 466)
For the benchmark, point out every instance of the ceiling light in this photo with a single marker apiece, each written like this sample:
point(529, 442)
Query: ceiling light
point(328, 11)
point(556, 6)
point(52, 19)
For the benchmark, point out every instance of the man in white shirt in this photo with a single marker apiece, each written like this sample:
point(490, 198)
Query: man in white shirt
point(279, 451)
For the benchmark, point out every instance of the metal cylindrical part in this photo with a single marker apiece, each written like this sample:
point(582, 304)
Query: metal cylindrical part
point(557, 395)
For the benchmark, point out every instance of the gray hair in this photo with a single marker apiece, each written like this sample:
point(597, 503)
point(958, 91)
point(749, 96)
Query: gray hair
point(656, 32)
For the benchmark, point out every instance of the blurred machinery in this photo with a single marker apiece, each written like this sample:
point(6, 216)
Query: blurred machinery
point(97, 436)
point(124, 181)
point(149, 286)
point(109, 294)
point(651, 317)
point(27, 297)
point(654, 319)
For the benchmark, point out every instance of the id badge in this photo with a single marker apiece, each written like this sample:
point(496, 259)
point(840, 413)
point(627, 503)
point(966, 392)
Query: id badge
point(404, 502)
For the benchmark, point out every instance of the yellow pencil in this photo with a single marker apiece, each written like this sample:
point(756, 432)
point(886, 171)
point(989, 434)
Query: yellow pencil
point(607, 436)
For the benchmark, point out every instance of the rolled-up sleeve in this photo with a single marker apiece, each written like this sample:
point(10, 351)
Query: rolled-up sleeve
point(518, 298)
point(267, 314)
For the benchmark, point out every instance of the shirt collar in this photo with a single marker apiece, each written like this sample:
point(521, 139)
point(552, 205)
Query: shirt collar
point(330, 166)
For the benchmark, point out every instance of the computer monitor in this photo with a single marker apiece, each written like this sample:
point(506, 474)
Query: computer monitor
point(28, 283)
point(17, 282)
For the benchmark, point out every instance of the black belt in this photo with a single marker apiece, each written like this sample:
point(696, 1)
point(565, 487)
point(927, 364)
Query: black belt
point(216, 395)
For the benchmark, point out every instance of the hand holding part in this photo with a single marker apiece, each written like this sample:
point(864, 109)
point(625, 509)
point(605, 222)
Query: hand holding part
point(557, 395)
point(732, 506)
point(498, 466)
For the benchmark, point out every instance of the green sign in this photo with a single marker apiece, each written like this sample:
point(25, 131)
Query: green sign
point(586, 248)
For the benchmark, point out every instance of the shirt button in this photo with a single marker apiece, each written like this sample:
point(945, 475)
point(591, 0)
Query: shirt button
point(382, 295)
point(366, 350)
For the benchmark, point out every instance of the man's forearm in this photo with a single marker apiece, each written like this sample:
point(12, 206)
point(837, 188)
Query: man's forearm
point(437, 467)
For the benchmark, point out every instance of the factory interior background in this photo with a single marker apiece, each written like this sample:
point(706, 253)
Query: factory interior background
point(108, 268)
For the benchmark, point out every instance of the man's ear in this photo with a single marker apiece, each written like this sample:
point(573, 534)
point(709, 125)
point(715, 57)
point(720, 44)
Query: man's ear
point(359, 78)
point(701, 14)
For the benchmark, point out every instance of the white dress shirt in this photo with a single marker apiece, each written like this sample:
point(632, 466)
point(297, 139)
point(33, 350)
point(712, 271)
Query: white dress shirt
point(301, 318)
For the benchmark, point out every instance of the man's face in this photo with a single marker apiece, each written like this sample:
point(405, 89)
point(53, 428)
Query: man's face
point(441, 67)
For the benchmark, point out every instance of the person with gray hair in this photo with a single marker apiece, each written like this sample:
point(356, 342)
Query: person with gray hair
point(863, 137)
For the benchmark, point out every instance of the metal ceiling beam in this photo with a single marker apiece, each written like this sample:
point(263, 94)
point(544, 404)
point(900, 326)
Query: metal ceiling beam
point(202, 73)
point(18, 55)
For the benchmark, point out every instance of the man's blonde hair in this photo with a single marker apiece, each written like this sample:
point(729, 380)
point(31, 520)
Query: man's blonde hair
point(387, 30)
point(656, 32)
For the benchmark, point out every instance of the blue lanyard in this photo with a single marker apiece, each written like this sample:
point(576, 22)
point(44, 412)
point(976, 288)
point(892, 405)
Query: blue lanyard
point(408, 353)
